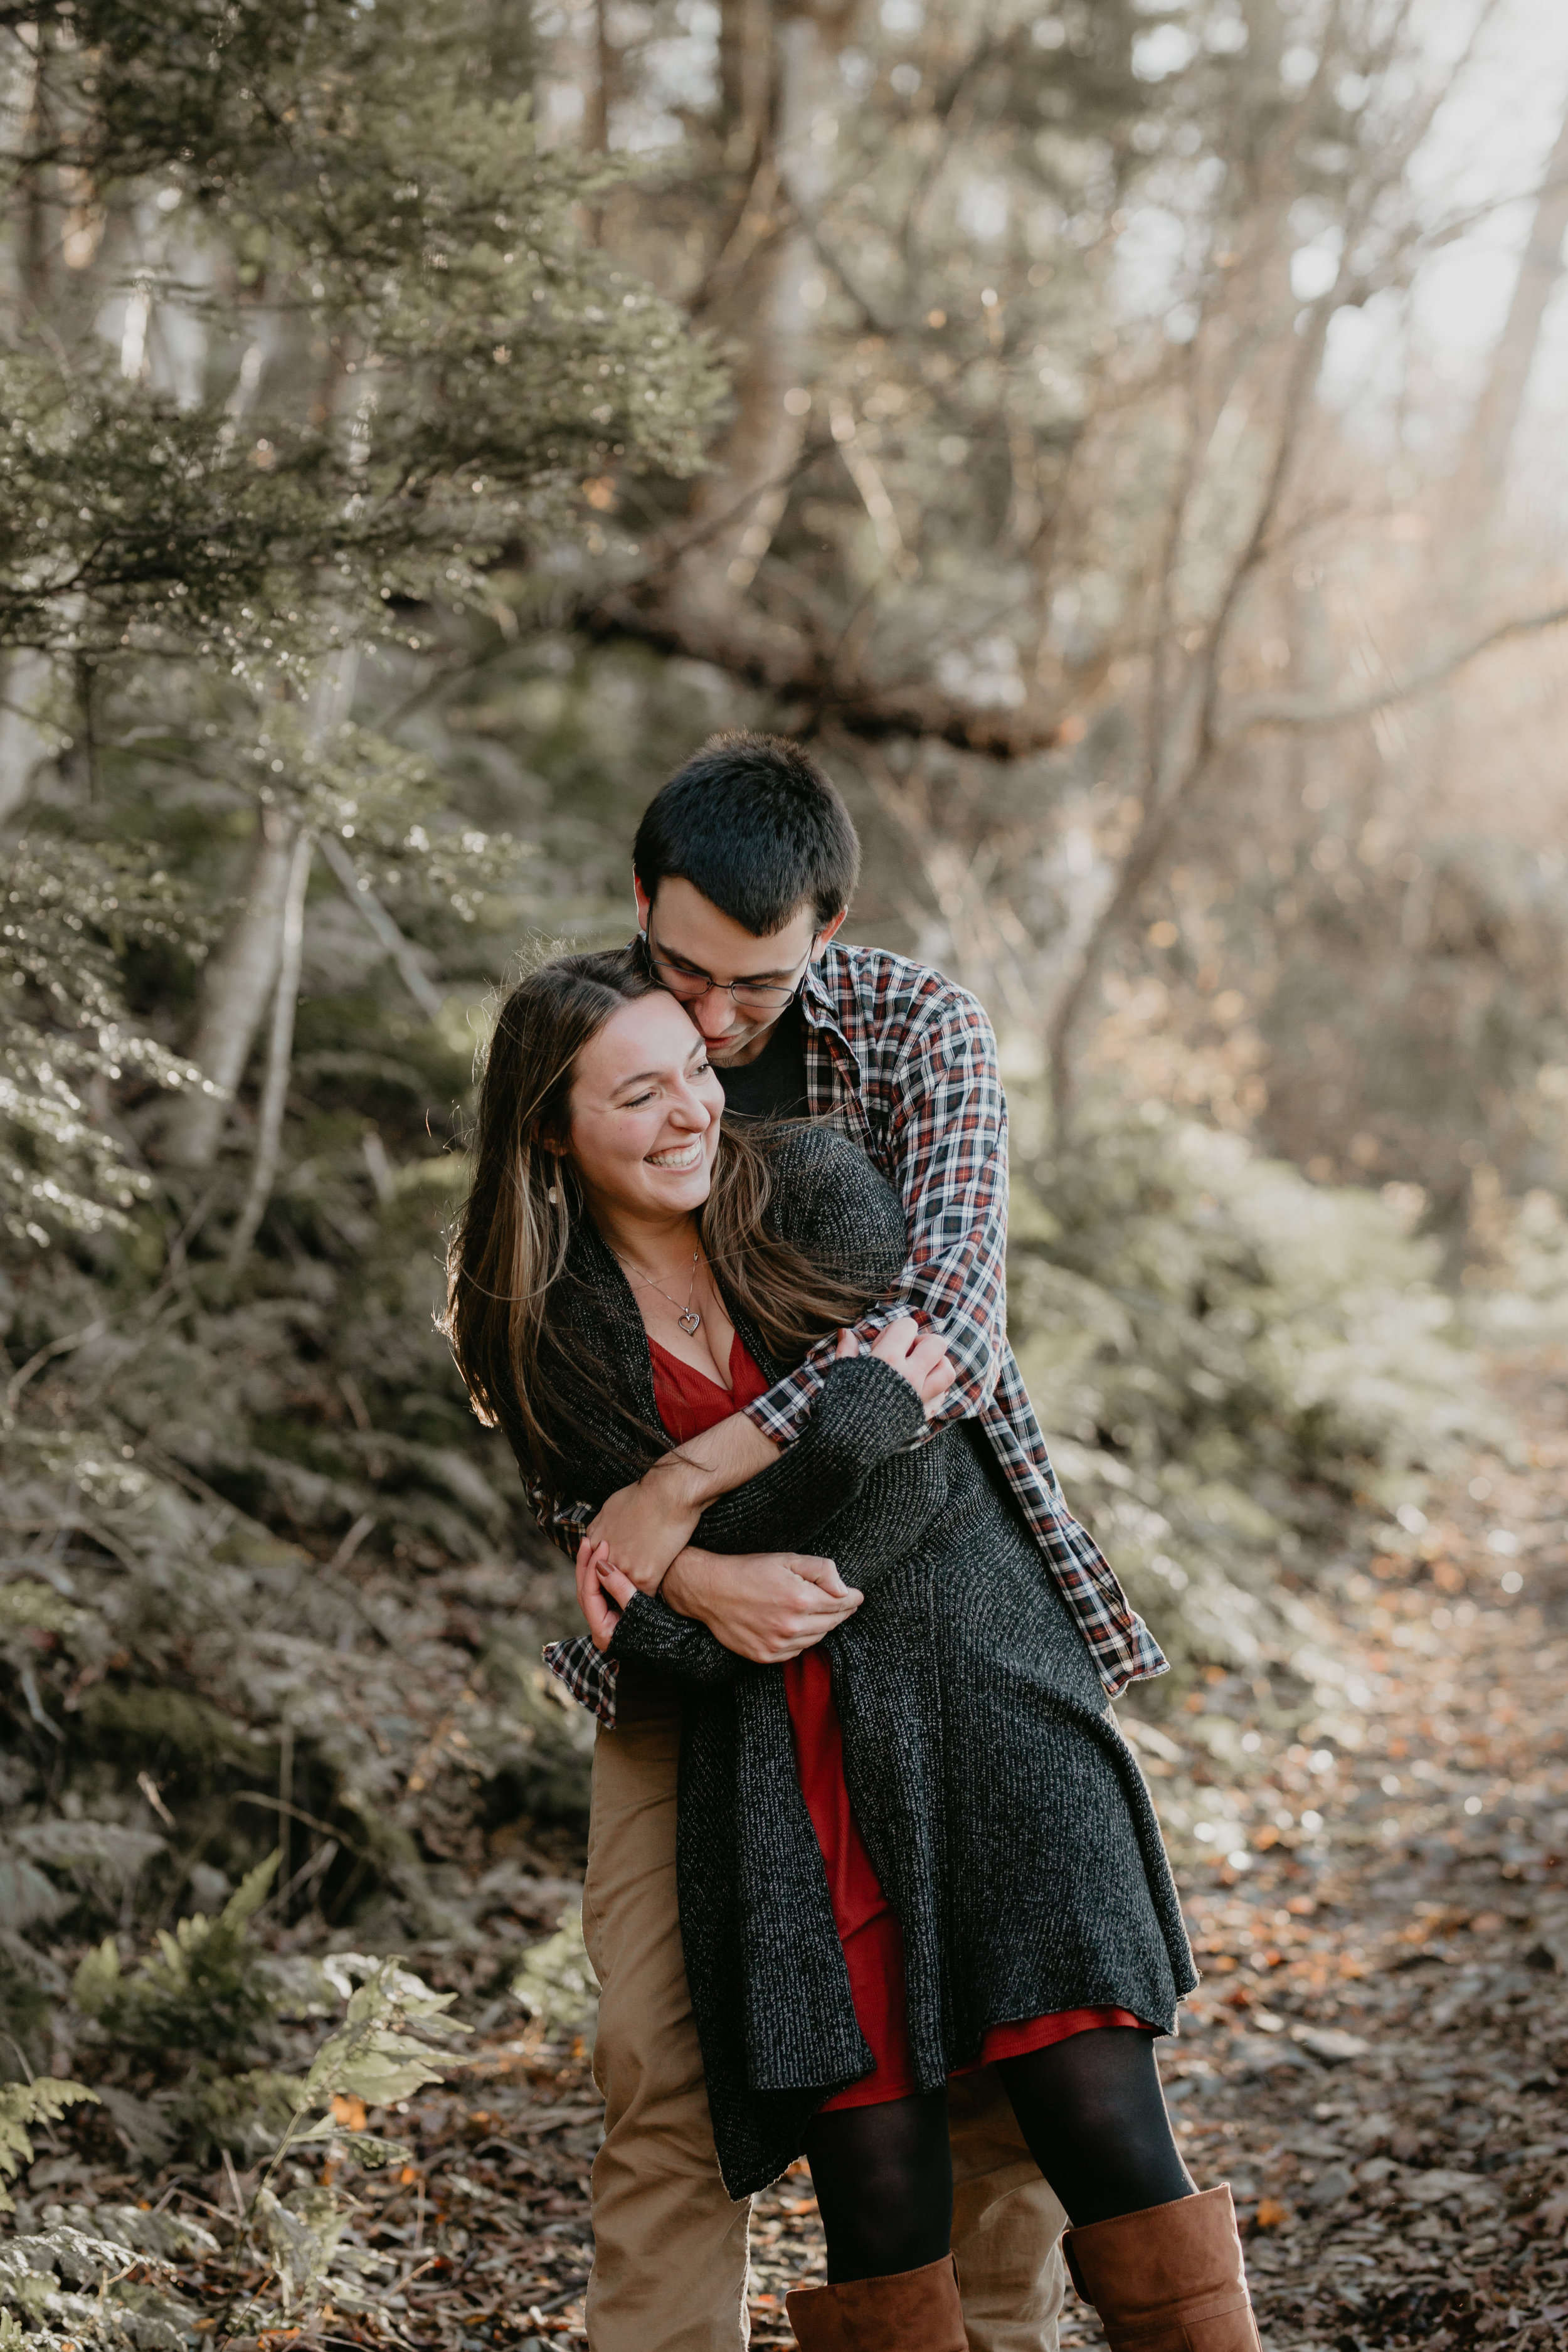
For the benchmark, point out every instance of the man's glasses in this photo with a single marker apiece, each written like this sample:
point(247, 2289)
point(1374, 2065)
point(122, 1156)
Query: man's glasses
point(686, 984)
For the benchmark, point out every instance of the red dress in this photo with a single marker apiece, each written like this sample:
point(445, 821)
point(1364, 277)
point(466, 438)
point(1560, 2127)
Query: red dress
point(688, 1402)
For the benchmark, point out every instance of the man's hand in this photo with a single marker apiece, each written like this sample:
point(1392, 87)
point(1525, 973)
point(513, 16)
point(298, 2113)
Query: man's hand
point(921, 1358)
point(767, 1606)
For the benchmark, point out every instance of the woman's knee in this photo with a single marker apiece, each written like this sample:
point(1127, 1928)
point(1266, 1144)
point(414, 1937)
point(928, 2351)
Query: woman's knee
point(1094, 2113)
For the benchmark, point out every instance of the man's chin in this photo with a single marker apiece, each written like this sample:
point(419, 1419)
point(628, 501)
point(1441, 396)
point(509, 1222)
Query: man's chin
point(725, 1051)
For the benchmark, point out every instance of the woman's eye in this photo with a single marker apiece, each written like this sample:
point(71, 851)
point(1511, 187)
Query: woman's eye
point(637, 1101)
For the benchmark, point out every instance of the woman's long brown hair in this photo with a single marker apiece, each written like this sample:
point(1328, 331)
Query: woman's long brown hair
point(509, 1250)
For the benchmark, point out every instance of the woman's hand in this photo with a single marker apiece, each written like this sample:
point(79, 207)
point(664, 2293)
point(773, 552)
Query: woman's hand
point(919, 1357)
point(646, 1525)
point(602, 1592)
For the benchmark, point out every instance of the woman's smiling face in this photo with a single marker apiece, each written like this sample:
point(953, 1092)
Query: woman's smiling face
point(644, 1112)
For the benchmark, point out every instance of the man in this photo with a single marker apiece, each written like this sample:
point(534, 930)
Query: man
point(744, 868)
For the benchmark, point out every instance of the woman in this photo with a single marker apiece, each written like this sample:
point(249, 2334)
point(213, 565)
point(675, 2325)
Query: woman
point(920, 1847)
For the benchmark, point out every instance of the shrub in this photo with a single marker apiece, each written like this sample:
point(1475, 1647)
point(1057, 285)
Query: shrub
point(207, 1988)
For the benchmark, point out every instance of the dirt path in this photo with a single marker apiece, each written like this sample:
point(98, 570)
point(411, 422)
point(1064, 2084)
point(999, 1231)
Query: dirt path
point(1377, 2058)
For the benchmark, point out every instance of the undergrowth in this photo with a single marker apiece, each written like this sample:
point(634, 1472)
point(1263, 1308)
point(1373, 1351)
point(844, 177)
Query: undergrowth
point(102, 2275)
point(1234, 1366)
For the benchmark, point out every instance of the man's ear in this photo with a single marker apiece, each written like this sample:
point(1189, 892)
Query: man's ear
point(643, 904)
point(828, 932)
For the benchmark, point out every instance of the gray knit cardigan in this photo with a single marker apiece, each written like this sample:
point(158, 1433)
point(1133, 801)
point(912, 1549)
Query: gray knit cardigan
point(1003, 1812)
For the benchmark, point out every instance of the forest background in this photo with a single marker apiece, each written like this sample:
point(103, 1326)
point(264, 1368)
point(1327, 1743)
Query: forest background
point(1126, 441)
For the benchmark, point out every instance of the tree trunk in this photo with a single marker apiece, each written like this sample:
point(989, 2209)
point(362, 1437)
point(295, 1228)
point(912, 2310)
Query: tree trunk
point(237, 981)
point(748, 491)
point(280, 1052)
point(1180, 758)
point(1483, 473)
point(745, 74)
point(25, 746)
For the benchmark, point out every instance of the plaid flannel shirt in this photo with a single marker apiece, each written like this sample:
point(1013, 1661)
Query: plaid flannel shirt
point(905, 1064)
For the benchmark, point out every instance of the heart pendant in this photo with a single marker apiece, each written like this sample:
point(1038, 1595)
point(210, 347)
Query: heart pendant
point(690, 1321)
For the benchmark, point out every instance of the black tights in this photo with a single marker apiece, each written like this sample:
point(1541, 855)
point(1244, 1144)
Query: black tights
point(1091, 2109)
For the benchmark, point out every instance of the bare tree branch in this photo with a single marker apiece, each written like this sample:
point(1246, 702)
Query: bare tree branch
point(881, 322)
point(867, 479)
point(361, 896)
point(755, 220)
point(1303, 710)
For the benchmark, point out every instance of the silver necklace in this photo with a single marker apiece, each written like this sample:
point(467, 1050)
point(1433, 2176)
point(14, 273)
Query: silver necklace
point(690, 1320)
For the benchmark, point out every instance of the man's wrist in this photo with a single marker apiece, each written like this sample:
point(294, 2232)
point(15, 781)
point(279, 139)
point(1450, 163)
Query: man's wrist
point(707, 1467)
point(681, 1488)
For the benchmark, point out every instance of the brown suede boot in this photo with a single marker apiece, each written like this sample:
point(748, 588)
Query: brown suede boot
point(1170, 2279)
point(912, 2311)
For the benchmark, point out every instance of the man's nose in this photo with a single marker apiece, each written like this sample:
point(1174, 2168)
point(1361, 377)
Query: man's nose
point(713, 1011)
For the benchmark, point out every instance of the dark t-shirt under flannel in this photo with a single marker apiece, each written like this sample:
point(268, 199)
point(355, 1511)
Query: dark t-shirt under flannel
point(773, 1085)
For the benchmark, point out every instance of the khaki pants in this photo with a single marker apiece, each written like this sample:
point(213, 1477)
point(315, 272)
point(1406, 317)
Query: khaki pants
point(670, 2258)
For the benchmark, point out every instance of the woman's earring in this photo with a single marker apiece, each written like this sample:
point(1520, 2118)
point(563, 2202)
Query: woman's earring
point(552, 1196)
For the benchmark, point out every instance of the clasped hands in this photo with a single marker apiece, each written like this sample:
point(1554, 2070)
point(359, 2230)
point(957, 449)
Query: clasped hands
point(766, 1606)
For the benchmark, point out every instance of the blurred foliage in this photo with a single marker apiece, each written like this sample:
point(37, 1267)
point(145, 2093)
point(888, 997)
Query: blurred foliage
point(72, 912)
point(381, 220)
point(556, 1980)
point(21, 2104)
point(1225, 1355)
point(201, 1991)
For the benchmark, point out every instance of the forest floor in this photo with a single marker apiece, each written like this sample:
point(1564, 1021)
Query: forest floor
point(1376, 2059)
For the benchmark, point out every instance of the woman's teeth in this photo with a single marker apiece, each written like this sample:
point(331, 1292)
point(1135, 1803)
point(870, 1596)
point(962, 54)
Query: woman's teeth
point(685, 1155)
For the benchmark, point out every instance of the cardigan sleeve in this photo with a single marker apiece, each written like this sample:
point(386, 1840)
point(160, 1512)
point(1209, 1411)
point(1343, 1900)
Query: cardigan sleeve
point(849, 1448)
point(651, 1631)
point(867, 1414)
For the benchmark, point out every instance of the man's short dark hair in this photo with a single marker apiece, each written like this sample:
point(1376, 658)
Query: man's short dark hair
point(752, 823)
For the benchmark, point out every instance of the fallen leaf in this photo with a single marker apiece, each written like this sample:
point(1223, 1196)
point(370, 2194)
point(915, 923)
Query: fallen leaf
point(1432, 2188)
point(1554, 2213)
point(1329, 2043)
